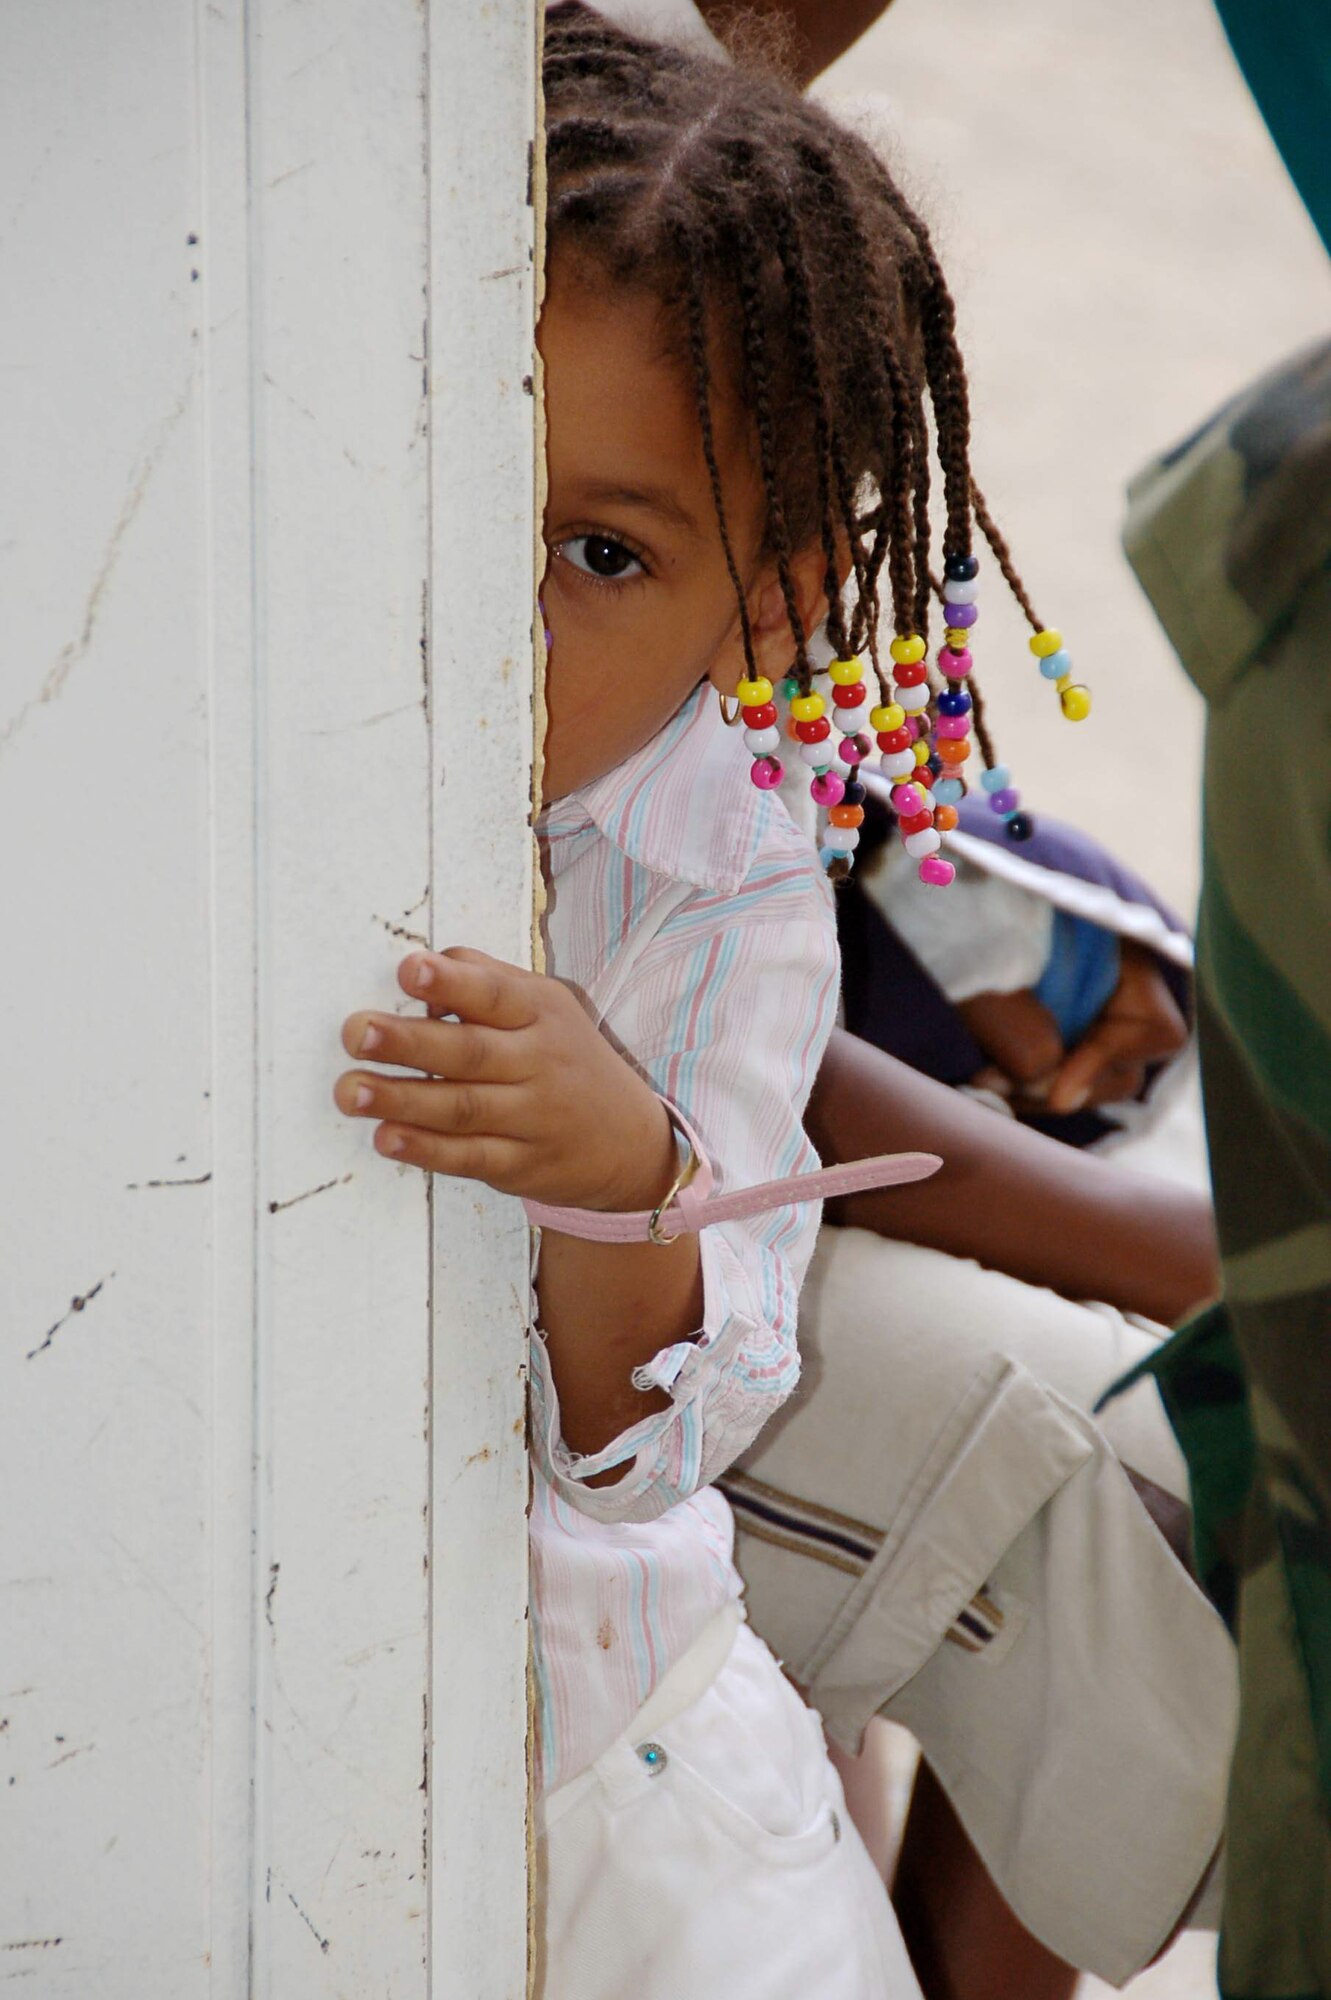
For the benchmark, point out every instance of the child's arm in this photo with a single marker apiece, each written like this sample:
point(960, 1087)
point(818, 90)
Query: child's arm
point(522, 1091)
point(1009, 1197)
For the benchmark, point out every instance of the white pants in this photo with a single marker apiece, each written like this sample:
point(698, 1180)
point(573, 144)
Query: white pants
point(708, 1854)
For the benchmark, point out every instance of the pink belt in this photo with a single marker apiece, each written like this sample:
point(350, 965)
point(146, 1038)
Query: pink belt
point(692, 1206)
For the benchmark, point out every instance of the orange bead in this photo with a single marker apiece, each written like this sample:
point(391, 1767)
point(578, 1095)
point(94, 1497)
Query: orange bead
point(945, 818)
point(953, 751)
point(847, 815)
point(793, 729)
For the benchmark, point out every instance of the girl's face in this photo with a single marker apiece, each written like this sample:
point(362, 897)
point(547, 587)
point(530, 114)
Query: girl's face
point(636, 591)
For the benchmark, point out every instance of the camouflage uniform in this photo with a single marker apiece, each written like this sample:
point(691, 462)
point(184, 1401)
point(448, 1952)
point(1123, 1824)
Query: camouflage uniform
point(1230, 535)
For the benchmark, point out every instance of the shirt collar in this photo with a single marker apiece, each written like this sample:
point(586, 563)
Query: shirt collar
point(682, 806)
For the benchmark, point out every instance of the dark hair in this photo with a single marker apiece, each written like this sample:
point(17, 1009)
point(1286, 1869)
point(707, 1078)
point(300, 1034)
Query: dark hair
point(753, 215)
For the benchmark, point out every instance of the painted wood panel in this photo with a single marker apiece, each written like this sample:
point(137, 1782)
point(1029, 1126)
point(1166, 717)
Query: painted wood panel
point(227, 807)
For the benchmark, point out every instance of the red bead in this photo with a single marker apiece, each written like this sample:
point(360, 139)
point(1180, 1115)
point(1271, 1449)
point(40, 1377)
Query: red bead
point(759, 718)
point(892, 740)
point(911, 674)
point(849, 697)
point(922, 775)
point(917, 823)
point(814, 732)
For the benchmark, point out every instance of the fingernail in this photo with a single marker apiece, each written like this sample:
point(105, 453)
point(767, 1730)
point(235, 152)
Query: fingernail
point(364, 1095)
point(424, 974)
point(392, 1142)
point(1077, 1103)
point(371, 1039)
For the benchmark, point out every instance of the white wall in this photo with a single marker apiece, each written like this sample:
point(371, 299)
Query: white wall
point(260, 1539)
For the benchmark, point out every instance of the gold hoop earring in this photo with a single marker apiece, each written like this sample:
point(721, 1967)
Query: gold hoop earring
point(726, 717)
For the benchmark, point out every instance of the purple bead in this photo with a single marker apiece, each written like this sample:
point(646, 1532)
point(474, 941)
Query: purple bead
point(1005, 801)
point(766, 772)
point(827, 790)
point(960, 615)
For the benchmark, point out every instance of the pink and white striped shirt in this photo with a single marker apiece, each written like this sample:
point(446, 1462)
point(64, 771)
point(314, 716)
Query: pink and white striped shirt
point(697, 922)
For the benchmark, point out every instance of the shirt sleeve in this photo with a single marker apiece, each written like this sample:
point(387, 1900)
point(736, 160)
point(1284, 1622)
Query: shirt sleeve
point(727, 1014)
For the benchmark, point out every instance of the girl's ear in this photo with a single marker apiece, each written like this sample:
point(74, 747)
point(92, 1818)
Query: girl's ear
point(769, 620)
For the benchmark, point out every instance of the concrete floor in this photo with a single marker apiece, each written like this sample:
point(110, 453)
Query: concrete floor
point(1126, 252)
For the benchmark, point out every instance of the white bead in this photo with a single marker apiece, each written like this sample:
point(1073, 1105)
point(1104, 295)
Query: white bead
point(917, 845)
point(900, 764)
point(841, 839)
point(957, 592)
point(913, 699)
point(817, 755)
point(763, 742)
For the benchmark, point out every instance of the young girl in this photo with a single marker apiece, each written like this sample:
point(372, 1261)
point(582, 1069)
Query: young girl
point(745, 326)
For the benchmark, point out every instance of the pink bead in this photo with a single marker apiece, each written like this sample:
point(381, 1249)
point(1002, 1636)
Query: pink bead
point(955, 727)
point(766, 772)
point(913, 726)
point(955, 665)
point(907, 800)
point(854, 749)
point(936, 872)
point(827, 790)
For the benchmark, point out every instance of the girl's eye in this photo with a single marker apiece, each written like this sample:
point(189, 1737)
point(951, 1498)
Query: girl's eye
point(601, 556)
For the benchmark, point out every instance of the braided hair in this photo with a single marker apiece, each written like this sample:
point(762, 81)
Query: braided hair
point(776, 238)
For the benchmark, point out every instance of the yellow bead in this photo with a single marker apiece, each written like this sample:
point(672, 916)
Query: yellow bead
point(921, 753)
point(846, 672)
point(1045, 643)
point(957, 639)
point(807, 707)
point(1076, 703)
point(753, 694)
point(906, 651)
point(889, 718)
point(1063, 683)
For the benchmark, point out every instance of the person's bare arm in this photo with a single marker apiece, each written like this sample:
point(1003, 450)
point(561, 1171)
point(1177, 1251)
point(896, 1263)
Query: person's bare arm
point(820, 30)
point(1009, 1197)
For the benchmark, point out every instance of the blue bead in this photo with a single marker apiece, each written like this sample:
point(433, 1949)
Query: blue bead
point(1019, 826)
point(1054, 665)
point(996, 780)
point(828, 855)
point(948, 790)
point(855, 794)
point(963, 568)
point(954, 703)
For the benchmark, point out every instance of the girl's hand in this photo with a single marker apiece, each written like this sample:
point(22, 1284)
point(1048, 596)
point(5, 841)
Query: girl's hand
point(521, 1090)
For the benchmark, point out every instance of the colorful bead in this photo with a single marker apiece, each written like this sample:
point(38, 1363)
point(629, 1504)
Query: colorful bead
point(996, 779)
point(955, 662)
point(961, 590)
point(963, 568)
point(759, 718)
point(955, 637)
point(754, 694)
point(855, 792)
point(790, 687)
point(763, 742)
point(841, 839)
point(936, 872)
point(850, 697)
point(948, 791)
point(818, 756)
point(953, 753)
point(918, 822)
point(1005, 800)
point(806, 707)
point(854, 749)
point(900, 764)
point(960, 616)
point(953, 728)
point(1054, 666)
point(847, 815)
point(907, 650)
point(907, 800)
point(892, 740)
point(954, 701)
point(946, 818)
point(766, 772)
point(887, 718)
point(828, 790)
point(1046, 642)
point(1076, 703)
point(814, 732)
point(910, 674)
point(846, 672)
point(921, 754)
point(917, 845)
point(923, 775)
point(1020, 826)
point(913, 699)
